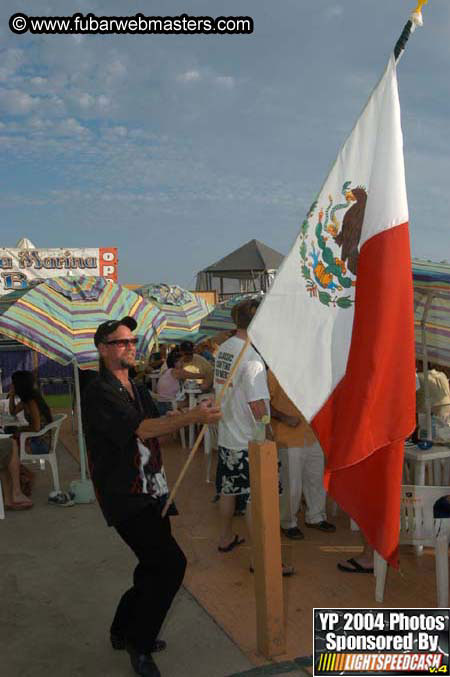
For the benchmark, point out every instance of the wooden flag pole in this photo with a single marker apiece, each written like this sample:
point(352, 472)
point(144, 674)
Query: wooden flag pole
point(203, 430)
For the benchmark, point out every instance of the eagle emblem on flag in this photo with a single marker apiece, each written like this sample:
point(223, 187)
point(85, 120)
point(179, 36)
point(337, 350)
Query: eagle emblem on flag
point(330, 256)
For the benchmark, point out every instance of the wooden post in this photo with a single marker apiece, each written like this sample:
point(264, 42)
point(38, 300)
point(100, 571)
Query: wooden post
point(35, 361)
point(266, 544)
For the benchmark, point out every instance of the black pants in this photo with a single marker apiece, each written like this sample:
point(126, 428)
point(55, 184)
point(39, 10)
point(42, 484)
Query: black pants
point(157, 577)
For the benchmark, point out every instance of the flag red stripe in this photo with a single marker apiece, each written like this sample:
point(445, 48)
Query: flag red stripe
point(372, 410)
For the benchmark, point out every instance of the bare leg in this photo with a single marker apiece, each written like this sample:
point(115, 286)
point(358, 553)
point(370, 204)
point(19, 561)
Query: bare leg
point(365, 559)
point(226, 509)
point(14, 471)
point(6, 487)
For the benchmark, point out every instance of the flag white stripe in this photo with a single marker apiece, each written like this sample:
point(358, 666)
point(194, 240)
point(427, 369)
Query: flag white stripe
point(305, 342)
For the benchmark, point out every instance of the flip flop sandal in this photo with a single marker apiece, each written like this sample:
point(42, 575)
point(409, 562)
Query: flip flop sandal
point(355, 567)
point(235, 542)
point(287, 571)
point(23, 505)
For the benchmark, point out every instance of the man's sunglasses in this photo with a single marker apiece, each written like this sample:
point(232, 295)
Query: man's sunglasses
point(123, 343)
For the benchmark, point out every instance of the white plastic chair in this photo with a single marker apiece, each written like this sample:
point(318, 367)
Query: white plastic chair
point(157, 398)
point(418, 527)
point(51, 457)
point(435, 461)
point(210, 440)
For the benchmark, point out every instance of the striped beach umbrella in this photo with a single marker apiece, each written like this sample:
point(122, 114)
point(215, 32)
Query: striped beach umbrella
point(432, 310)
point(183, 310)
point(59, 317)
point(219, 319)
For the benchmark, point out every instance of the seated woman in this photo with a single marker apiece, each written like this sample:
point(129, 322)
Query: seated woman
point(170, 383)
point(38, 415)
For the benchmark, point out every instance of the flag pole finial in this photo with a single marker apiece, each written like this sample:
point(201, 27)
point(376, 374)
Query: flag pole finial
point(420, 4)
point(416, 15)
point(415, 20)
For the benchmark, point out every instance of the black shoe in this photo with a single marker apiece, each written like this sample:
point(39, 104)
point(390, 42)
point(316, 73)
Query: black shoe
point(294, 533)
point(143, 664)
point(322, 526)
point(119, 643)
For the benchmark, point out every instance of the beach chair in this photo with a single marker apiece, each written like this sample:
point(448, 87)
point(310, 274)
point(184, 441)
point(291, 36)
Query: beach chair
point(51, 458)
point(418, 527)
point(210, 439)
point(157, 398)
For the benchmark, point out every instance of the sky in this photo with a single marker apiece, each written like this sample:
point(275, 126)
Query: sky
point(178, 149)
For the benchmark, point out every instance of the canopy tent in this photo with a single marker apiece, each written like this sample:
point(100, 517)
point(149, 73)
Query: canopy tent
point(431, 319)
point(15, 355)
point(250, 268)
point(25, 243)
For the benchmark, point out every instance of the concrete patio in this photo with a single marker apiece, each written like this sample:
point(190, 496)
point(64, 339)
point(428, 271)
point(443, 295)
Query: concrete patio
point(63, 571)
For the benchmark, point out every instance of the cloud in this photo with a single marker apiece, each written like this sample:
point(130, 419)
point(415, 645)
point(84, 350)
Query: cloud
point(71, 127)
point(207, 77)
point(90, 104)
point(84, 100)
point(333, 12)
point(189, 76)
point(123, 130)
point(225, 81)
point(17, 102)
point(11, 61)
point(36, 123)
point(116, 70)
point(38, 82)
point(117, 131)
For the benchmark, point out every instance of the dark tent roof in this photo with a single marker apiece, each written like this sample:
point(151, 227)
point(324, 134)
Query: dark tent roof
point(253, 256)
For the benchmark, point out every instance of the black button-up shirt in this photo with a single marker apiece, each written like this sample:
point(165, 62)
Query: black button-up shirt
point(110, 419)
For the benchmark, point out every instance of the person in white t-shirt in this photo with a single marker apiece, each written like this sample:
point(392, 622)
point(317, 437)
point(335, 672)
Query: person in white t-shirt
point(245, 403)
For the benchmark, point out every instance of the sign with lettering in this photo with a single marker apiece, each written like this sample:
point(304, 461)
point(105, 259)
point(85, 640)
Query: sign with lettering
point(381, 641)
point(21, 268)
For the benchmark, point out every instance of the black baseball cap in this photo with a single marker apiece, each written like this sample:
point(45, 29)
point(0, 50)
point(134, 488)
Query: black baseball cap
point(107, 328)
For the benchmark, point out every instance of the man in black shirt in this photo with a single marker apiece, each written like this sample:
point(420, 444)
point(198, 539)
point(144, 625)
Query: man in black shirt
point(122, 426)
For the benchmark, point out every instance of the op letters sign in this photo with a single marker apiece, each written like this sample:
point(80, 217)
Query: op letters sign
point(22, 268)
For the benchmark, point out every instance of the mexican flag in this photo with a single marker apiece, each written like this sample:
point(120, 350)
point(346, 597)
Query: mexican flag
point(337, 326)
